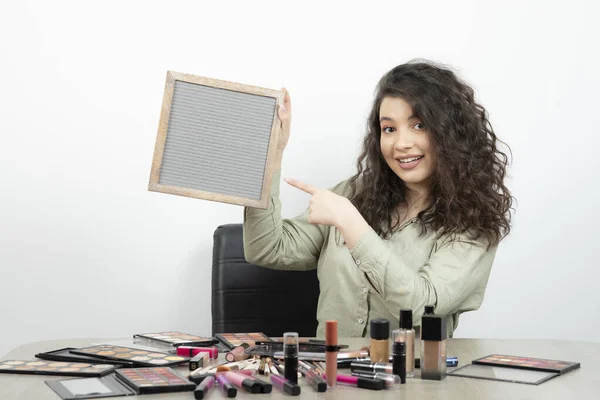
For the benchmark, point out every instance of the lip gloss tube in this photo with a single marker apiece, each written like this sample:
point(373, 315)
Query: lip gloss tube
point(285, 385)
point(237, 353)
point(290, 356)
point(331, 350)
point(226, 386)
point(243, 382)
point(203, 388)
point(391, 381)
point(198, 378)
point(315, 380)
point(386, 368)
point(265, 387)
point(363, 383)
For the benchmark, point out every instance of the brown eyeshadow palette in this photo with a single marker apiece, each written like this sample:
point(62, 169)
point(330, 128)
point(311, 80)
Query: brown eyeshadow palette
point(176, 339)
point(232, 340)
point(139, 357)
point(66, 355)
point(43, 367)
point(534, 364)
point(154, 380)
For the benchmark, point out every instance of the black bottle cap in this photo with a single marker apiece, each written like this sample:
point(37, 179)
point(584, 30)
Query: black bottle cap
point(373, 384)
point(231, 391)
point(265, 387)
point(429, 309)
point(197, 379)
point(321, 386)
point(399, 348)
point(380, 329)
point(433, 328)
point(291, 388)
point(198, 393)
point(251, 385)
point(406, 320)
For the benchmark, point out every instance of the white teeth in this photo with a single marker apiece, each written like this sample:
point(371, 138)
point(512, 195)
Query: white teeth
point(407, 160)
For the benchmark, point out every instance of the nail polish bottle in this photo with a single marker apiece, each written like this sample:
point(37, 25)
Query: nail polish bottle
point(433, 347)
point(380, 343)
point(406, 333)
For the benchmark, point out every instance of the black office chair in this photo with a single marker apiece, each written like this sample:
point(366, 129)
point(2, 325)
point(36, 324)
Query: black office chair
point(248, 298)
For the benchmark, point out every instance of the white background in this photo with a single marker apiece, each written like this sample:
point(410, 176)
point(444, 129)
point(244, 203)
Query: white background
point(87, 251)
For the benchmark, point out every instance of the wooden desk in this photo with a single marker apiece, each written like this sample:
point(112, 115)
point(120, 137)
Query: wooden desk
point(583, 383)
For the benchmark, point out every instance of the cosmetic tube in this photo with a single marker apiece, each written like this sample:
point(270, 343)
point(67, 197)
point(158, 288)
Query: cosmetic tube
point(198, 361)
point(198, 378)
point(345, 363)
point(391, 381)
point(241, 381)
point(191, 351)
point(237, 353)
point(226, 386)
point(380, 343)
point(386, 368)
point(315, 380)
point(363, 383)
point(265, 387)
point(203, 388)
point(285, 385)
point(406, 333)
point(290, 356)
point(433, 347)
point(331, 350)
point(399, 360)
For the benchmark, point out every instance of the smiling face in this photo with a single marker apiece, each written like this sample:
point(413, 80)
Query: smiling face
point(405, 144)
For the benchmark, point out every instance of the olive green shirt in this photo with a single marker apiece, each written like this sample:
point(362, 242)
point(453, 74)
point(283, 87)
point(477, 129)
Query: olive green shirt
point(377, 277)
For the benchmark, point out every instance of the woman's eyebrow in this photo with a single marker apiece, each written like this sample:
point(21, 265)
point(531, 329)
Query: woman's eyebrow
point(413, 116)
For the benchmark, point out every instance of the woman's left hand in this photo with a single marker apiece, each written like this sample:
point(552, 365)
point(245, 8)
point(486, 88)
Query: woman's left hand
point(326, 207)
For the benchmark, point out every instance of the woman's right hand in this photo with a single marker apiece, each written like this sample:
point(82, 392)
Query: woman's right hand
point(285, 116)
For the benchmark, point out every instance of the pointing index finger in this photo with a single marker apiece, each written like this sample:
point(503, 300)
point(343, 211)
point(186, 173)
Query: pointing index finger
point(305, 187)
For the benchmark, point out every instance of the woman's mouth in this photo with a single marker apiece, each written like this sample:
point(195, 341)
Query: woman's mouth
point(409, 162)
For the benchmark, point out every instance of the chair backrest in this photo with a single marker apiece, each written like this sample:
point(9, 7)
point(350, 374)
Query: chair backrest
point(248, 298)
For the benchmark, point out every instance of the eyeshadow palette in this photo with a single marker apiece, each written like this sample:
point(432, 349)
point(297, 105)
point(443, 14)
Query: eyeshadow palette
point(503, 374)
point(90, 388)
point(154, 380)
point(139, 357)
point(534, 364)
point(66, 355)
point(175, 339)
point(54, 368)
point(231, 340)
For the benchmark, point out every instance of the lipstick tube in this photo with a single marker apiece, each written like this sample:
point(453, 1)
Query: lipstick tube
point(198, 361)
point(283, 384)
point(331, 350)
point(191, 351)
point(226, 386)
point(203, 388)
point(237, 353)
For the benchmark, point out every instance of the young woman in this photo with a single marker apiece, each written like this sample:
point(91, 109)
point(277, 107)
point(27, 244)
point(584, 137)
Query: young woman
point(419, 223)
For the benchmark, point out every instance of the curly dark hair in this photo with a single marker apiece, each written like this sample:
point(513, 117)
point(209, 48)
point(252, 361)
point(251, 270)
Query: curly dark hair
point(467, 193)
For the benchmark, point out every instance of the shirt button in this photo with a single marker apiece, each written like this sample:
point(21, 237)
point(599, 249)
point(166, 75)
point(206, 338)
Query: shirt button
point(365, 290)
point(357, 262)
point(360, 320)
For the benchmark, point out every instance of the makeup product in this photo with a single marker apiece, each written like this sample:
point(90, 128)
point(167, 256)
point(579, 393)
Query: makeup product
point(174, 339)
point(406, 333)
point(143, 358)
point(198, 378)
point(363, 383)
point(534, 364)
point(450, 362)
point(391, 381)
point(386, 368)
point(154, 380)
point(433, 347)
point(399, 361)
point(428, 310)
point(503, 374)
point(315, 380)
point(90, 388)
point(243, 382)
point(191, 351)
point(237, 353)
point(231, 340)
point(226, 386)
point(265, 387)
point(199, 361)
point(283, 384)
point(203, 388)
point(331, 340)
point(66, 356)
point(43, 367)
point(380, 344)
point(290, 354)
point(345, 363)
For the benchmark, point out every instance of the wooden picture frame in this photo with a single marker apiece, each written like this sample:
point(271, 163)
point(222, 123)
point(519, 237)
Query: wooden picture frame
point(216, 140)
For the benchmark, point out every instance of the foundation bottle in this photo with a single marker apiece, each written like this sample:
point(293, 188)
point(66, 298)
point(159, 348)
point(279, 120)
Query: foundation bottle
point(406, 334)
point(380, 343)
point(433, 347)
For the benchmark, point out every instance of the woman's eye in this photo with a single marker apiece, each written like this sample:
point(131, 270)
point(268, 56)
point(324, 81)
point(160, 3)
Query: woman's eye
point(388, 131)
point(419, 126)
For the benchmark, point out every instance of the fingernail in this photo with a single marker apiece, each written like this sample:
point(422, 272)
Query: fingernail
point(282, 108)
